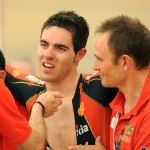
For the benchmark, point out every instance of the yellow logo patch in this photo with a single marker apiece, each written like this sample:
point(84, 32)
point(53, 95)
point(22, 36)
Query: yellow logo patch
point(81, 109)
point(16, 73)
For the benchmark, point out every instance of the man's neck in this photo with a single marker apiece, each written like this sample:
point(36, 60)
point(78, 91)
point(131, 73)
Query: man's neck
point(65, 86)
point(133, 88)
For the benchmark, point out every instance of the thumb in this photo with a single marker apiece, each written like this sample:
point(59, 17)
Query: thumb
point(97, 141)
point(57, 94)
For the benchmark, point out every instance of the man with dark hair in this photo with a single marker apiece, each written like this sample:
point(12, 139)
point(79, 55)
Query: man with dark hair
point(122, 54)
point(15, 131)
point(84, 114)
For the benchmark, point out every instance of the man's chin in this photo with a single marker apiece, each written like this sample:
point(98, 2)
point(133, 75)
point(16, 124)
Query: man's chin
point(104, 84)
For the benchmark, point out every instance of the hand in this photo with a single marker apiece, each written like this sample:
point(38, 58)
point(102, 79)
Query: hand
point(51, 101)
point(97, 146)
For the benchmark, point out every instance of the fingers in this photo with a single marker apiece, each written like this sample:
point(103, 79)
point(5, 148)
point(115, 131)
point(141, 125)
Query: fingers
point(51, 102)
point(48, 114)
point(51, 97)
point(86, 147)
point(97, 141)
point(79, 147)
point(97, 146)
point(56, 94)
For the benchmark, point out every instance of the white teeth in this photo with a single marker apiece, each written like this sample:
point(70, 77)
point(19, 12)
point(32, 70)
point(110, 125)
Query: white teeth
point(48, 65)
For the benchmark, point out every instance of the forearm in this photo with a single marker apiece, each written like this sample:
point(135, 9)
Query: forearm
point(49, 104)
point(36, 140)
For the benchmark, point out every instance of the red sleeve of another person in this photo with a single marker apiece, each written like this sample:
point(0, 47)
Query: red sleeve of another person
point(14, 128)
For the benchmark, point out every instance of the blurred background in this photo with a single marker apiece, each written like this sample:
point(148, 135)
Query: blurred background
point(21, 22)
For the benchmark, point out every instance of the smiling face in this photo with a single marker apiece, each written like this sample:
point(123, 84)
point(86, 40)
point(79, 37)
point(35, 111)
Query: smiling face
point(111, 73)
point(56, 57)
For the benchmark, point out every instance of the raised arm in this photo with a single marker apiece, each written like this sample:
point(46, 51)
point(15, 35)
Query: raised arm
point(49, 103)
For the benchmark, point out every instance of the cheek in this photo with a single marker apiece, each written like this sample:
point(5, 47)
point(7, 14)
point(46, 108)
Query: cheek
point(39, 54)
point(106, 69)
point(39, 58)
point(66, 59)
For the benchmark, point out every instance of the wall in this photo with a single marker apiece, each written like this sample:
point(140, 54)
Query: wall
point(23, 19)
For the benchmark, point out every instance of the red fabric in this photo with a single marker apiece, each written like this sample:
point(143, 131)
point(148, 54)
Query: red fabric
point(90, 103)
point(14, 128)
point(135, 124)
point(99, 124)
point(23, 110)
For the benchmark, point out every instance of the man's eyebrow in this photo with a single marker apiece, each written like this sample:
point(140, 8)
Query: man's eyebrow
point(97, 57)
point(44, 41)
point(58, 45)
point(62, 45)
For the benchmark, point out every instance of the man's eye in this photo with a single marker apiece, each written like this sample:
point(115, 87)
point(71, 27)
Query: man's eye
point(43, 44)
point(98, 59)
point(61, 49)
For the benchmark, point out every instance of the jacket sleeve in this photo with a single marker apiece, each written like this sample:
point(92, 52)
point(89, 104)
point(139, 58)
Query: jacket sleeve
point(25, 88)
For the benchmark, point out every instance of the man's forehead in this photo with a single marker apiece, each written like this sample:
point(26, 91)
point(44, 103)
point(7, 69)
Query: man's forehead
point(57, 34)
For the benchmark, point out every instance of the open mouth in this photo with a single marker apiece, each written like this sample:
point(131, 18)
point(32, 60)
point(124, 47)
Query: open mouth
point(48, 65)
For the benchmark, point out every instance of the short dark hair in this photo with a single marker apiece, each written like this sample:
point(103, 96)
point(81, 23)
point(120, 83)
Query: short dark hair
point(128, 36)
point(72, 22)
point(2, 61)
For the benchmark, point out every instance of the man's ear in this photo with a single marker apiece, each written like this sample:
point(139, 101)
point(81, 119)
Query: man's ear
point(2, 74)
point(80, 54)
point(126, 61)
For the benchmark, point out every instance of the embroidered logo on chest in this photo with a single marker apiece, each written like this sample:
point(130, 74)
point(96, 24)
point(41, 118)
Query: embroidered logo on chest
point(127, 133)
point(128, 130)
point(81, 109)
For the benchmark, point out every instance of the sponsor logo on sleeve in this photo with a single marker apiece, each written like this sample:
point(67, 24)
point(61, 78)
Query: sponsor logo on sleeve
point(34, 80)
point(16, 73)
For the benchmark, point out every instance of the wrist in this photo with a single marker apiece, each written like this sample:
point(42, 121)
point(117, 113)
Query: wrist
point(39, 103)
